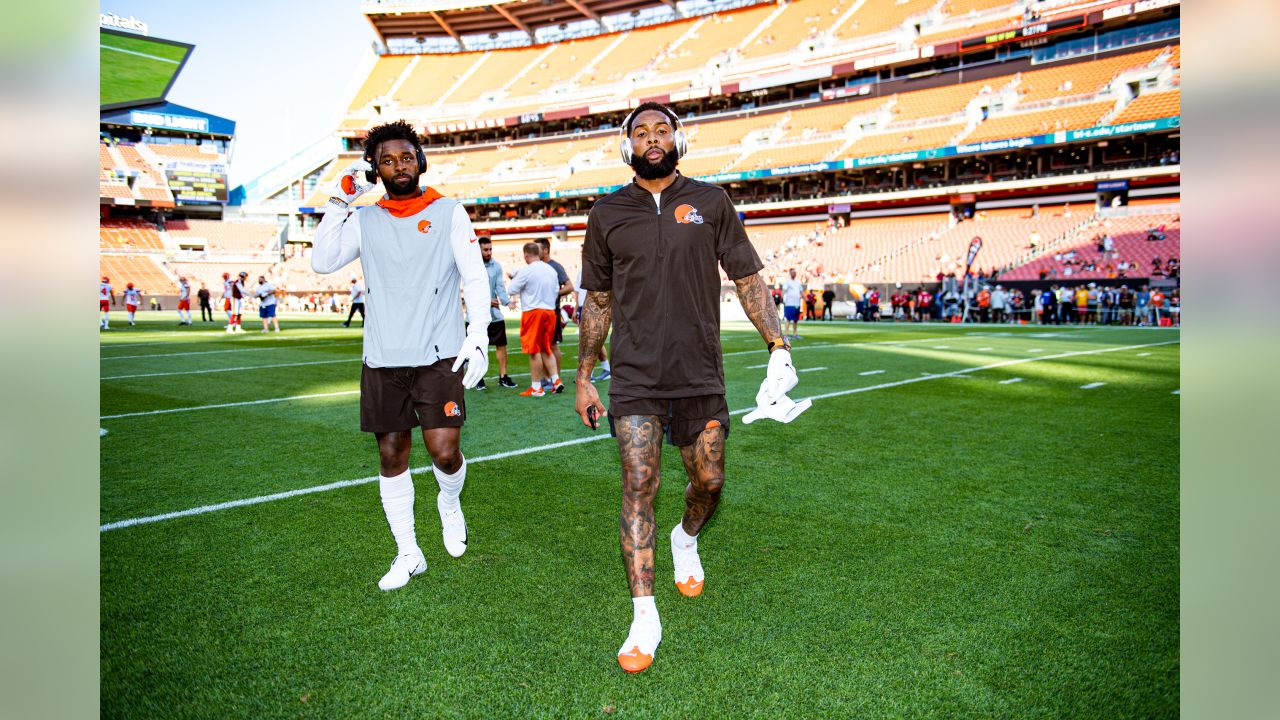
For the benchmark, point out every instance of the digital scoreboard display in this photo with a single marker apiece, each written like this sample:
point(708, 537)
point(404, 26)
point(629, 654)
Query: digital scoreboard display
point(197, 183)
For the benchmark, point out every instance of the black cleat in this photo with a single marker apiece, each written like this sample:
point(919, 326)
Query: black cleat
point(506, 381)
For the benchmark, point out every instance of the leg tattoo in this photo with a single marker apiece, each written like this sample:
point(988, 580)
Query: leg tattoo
point(704, 463)
point(640, 447)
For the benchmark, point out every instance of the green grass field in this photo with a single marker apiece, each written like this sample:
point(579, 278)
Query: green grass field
point(931, 539)
point(135, 68)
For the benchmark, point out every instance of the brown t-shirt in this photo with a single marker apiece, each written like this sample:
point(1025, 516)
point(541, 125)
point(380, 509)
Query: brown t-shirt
point(661, 269)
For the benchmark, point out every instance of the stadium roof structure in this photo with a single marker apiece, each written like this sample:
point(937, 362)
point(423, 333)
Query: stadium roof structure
point(456, 18)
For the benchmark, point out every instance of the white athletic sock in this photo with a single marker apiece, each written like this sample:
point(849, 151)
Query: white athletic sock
point(535, 384)
point(686, 540)
point(604, 365)
point(451, 485)
point(397, 503)
point(555, 378)
point(645, 614)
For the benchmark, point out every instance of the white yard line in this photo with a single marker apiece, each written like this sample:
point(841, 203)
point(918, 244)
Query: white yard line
point(985, 349)
point(1177, 392)
point(205, 509)
point(232, 369)
point(233, 404)
point(1143, 354)
point(1092, 385)
point(143, 55)
point(229, 350)
point(1010, 381)
point(810, 369)
point(871, 372)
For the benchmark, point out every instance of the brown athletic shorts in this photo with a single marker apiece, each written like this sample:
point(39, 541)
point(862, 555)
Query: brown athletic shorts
point(397, 399)
point(683, 419)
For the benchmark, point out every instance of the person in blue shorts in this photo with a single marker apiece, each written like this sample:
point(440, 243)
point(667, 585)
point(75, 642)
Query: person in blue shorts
point(266, 293)
point(792, 296)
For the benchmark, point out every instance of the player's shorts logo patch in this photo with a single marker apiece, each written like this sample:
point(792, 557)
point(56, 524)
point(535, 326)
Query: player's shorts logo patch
point(451, 409)
point(686, 214)
point(424, 226)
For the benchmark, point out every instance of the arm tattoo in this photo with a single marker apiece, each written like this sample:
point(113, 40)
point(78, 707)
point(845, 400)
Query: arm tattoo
point(758, 304)
point(593, 327)
point(640, 448)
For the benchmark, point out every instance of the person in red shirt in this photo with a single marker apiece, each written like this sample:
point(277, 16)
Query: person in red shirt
point(924, 305)
point(984, 304)
point(1157, 305)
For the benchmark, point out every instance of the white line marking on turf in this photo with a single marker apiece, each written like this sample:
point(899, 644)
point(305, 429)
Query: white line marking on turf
point(941, 347)
point(227, 405)
point(1036, 350)
point(1092, 385)
point(871, 372)
point(230, 350)
point(233, 369)
point(811, 369)
point(757, 367)
point(985, 349)
point(204, 509)
point(134, 52)
point(1143, 354)
point(1177, 392)
point(1010, 381)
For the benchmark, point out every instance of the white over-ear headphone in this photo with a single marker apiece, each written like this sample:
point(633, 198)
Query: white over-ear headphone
point(624, 139)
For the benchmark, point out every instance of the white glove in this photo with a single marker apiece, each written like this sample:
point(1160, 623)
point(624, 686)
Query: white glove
point(779, 378)
point(784, 410)
point(351, 183)
point(475, 353)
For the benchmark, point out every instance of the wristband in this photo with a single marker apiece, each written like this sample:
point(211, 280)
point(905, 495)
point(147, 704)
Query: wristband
point(340, 202)
point(776, 343)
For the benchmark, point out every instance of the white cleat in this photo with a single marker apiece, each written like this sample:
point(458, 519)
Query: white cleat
point(454, 528)
point(402, 568)
point(688, 567)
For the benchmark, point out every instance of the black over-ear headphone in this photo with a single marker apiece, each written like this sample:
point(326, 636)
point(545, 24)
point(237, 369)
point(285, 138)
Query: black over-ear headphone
point(371, 176)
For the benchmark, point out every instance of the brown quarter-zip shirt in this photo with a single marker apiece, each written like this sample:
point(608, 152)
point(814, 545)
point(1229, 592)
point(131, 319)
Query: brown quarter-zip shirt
point(660, 265)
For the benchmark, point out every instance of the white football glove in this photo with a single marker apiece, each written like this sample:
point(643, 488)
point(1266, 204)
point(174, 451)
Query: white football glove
point(351, 183)
point(779, 378)
point(475, 353)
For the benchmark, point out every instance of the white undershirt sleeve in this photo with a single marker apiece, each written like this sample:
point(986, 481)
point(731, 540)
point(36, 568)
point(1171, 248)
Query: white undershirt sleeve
point(337, 240)
point(475, 279)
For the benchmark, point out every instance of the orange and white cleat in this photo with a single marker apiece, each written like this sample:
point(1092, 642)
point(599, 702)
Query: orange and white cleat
point(532, 392)
point(637, 652)
point(688, 566)
point(635, 660)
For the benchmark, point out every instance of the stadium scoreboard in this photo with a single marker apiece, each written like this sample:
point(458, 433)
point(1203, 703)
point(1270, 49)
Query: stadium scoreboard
point(197, 183)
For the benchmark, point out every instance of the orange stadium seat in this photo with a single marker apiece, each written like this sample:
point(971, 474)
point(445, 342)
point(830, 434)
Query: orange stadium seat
point(941, 101)
point(797, 22)
point(433, 75)
point(199, 153)
point(141, 270)
point(1077, 78)
point(1069, 117)
point(877, 16)
point(128, 234)
point(1131, 249)
point(384, 74)
point(1150, 106)
point(714, 36)
point(227, 237)
point(894, 141)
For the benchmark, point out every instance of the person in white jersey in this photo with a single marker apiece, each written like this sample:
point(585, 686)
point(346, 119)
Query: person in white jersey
point(184, 302)
point(418, 250)
point(357, 302)
point(226, 301)
point(792, 297)
point(106, 297)
point(132, 299)
point(266, 294)
point(537, 286)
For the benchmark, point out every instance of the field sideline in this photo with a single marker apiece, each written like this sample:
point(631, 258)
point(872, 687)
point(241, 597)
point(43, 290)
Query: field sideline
point(971, 521)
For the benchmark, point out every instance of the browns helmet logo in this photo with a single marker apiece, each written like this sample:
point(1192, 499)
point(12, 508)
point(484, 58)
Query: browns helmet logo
point(686, 214)
point(424, 226)
point(451, 409)
point(348, 185)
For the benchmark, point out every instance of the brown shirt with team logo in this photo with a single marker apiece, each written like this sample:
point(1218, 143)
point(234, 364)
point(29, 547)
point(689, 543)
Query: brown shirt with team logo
point(660, 265)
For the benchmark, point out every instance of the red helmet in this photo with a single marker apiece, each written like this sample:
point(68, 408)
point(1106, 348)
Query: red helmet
point(106, 279)
point(226, 276)
point(129, 286)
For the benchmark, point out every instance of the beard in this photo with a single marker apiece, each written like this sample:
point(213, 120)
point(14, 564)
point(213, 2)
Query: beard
point(654, 170)
point(395, 188)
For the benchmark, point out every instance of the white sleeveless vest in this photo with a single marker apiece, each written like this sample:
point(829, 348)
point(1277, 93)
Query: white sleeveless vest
point(412, 294)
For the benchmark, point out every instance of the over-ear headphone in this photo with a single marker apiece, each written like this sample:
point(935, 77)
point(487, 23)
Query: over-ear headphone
point(371, 176)
point(624, 136)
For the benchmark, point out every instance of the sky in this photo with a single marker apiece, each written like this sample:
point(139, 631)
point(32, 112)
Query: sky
point(279, 69)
